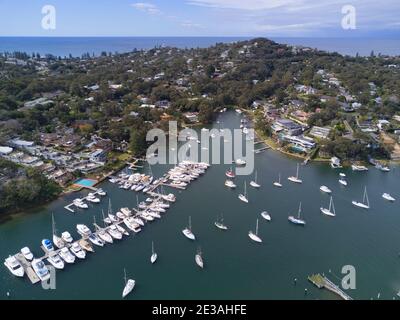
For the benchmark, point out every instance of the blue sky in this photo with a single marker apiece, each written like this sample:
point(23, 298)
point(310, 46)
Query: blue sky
point(275, 18)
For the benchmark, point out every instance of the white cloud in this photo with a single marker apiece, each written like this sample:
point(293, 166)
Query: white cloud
point(244, 4)
point(147, 7)
point(190, 24)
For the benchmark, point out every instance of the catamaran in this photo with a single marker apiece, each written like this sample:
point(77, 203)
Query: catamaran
point(325, 189)
point(154, 255)
point(188, 231)
point(388, 197)
point(254, 183)
point(129, 285)
point(365, 203)
point(331, 211)
point(220, 223)
point(254, 236)
point(297, 220)
point(296, 178)
point(199, 259)
point(266, 215)
point(278, 183)
point(58, 242)
point(243, 197)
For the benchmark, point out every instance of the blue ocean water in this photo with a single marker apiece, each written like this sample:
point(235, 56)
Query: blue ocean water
point(76, 46)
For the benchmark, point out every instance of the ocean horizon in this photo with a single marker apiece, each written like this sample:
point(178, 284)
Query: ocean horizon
point(77, 46)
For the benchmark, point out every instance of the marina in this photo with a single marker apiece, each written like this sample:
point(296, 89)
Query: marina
point(289, 252)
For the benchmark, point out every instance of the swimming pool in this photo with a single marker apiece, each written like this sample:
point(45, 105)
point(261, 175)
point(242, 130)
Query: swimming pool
point(86, 182)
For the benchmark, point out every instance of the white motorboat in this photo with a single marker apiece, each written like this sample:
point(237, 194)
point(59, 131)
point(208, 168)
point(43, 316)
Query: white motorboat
point(92, 198)
point(113, 218)
point(335, 163)
point(132, 225)
point(240, 162)
point(254, 235)
point(55, 260)
point(14, 266)
point(187, 232)
point(154, 256)
point(83, 230)
point(101, 192)
point(129, 285)
point(26, 252)
point(138, 221)
point(77, 250)
point(254, 183)
point(296, 178)
point(278, 183)
point(67, 256)
point(388, 197)
point(298, 220)
point(120, 215)
point(126, 211)
point(343, 182)
point(122, 230)
point(343, 175)
point(41, 270)
point(47, 245)
point(114, 232)
point(355, 167)
point(146, 216)
point(230, 184)
point(93, 238)
point(199, 259)
point(66, 236)
point(170, 198)
point(325, 189)
point(266, 215)
point(80, 204)
point(105, 236)
point(243, 197)
point(331, 212)
point(365, 203)
point(220, 224)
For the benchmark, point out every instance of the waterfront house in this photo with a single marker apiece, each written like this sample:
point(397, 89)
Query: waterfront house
point(320, 132)
point(289, 127)
point(5, 151)
point(98, 156)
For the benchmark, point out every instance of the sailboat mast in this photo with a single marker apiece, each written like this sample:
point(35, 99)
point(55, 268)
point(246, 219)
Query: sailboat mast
point(366, 196)
point(152, 247)
point(299, 214)
point(53, 226)
point(297, 174)
point(257, 228)
point(190, 223)
point(125, 276)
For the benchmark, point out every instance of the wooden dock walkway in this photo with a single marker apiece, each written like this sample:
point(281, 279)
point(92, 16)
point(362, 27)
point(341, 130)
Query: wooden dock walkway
point(28, 268)
point(69, 206)
point(321, 282)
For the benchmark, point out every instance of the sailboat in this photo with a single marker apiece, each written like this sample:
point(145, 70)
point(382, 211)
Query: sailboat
point(254, 183)
point(278, 183)
point(220, 224)
point(187, 232)
point(365, 203)
point(243, 197)
point(58, 242)
point(199, 259)
point(129, 285)
point(254, 236)
point(296, 178)
point(297, 220)
point(154, 256)
point(331, 211)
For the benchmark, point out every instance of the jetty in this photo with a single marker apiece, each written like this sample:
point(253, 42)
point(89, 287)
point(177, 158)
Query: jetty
point(27, 268)
point(69, 207)
point(322, 282)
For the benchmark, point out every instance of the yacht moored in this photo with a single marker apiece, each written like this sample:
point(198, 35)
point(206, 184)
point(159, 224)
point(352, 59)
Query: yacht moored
point(254, 236)
point(41, 270)
point(55, 260)
point(67, 256)
point(83, 230)
point(278, 183)
point(254, 183)
point(66, 236)
point(331, 211)
point(297, 220)
point(296, 178)
point(365, 203)
point(14, 266)
point(230, 184)
point(77, 250)
point(129, 285)
point(266, 215)
point(187, 232)
point(199, 259)
point(26, 252)
point(154, 256)
point(47, 245)
point(325, 189)
point(243, 197)
point(93, 238)
point(388, 197)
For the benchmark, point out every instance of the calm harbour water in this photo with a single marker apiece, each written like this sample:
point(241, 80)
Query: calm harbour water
point(236, 268)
